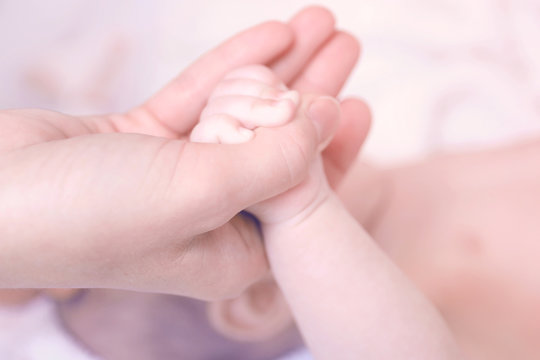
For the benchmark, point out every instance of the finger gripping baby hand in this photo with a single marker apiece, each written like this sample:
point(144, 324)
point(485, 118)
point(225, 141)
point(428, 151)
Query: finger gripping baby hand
point(247, 98)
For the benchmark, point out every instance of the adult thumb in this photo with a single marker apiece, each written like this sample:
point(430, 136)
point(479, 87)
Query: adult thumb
point(234, 177)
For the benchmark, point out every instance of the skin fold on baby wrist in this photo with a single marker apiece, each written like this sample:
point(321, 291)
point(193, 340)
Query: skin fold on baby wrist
point(324, 201)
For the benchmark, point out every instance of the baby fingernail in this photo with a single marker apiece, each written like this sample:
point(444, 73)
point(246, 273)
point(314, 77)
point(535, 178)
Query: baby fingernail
point(246, 134)
point(292, 95)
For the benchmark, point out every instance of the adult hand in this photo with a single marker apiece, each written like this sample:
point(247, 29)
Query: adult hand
point(125, 201)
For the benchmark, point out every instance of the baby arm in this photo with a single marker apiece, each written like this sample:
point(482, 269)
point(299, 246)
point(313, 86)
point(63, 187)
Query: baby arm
point(349, 301)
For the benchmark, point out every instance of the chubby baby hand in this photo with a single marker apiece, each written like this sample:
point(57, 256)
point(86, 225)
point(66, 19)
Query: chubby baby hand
point(246, 98)
point(253, 97)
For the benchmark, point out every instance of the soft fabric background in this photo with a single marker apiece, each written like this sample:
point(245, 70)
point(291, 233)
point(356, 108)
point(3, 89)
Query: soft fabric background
point(439, 75)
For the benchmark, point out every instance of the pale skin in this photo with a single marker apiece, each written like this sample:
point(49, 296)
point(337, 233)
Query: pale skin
point(347, 298)
point(464, 228)
point(295, 62)
point(441, 250)
point(439, 257)
point(119, 199)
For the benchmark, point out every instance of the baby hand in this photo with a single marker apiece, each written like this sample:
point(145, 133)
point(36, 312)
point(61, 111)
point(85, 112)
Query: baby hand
point(245, 99)
point(252, 97)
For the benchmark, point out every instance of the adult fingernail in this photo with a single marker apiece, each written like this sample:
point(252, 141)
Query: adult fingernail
point(325, 113)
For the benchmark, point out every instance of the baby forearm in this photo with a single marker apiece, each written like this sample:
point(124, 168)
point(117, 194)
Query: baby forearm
point(348, 299)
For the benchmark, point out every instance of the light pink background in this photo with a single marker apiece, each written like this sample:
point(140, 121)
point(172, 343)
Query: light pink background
point(439, 74)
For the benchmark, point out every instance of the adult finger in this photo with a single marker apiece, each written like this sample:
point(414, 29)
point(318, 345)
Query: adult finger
point(312, 27)
point(177, 106)
point(350, 136)
point(218, 264)
point(331, 66)
point(235, 177)
point(325, 74)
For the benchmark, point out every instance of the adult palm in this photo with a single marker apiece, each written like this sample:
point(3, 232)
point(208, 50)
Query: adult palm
point(124, 201)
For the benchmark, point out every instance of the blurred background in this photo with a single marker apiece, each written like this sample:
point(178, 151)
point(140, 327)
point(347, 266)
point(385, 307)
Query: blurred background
point(439, 75)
